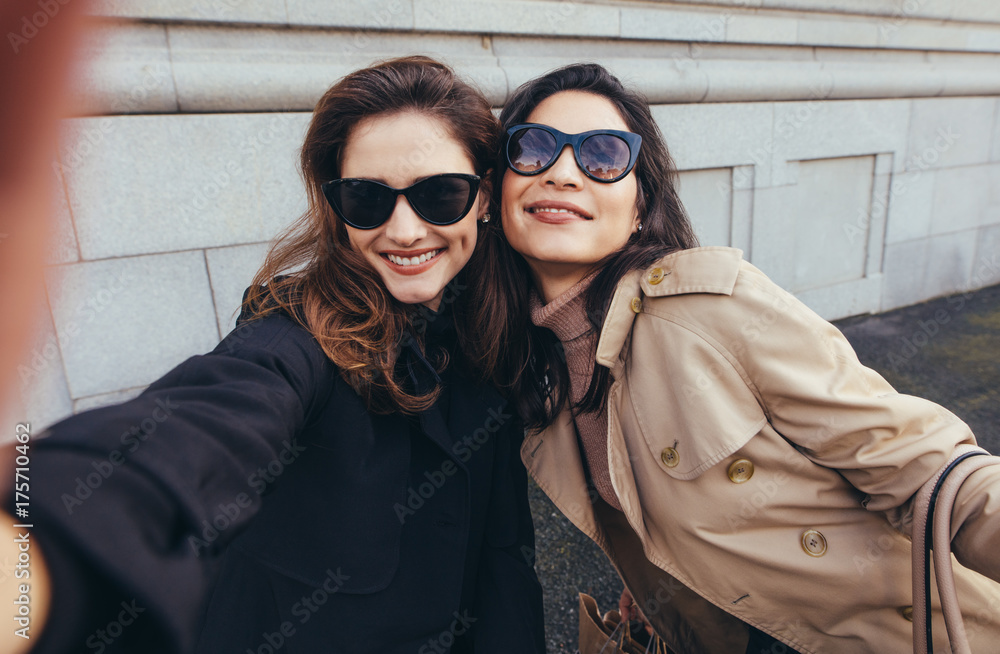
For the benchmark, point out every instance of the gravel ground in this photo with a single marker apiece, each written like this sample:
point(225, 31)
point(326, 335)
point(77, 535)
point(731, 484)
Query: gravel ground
point(946, 350)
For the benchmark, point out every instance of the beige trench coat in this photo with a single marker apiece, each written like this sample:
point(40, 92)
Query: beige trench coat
point(762, 467)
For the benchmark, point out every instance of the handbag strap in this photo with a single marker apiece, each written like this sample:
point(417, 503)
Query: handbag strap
point(932, 523)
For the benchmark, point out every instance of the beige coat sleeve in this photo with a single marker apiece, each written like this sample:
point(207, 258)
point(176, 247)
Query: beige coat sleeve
point(845, 416)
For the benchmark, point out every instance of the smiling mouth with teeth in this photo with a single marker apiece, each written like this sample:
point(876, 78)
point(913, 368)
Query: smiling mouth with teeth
point(412, 261)
point(551, 210)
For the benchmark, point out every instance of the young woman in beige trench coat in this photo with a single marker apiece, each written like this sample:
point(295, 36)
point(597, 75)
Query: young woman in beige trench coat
point(750, 480)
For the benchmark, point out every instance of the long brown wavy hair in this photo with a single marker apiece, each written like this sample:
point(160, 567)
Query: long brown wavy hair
point(313, 274)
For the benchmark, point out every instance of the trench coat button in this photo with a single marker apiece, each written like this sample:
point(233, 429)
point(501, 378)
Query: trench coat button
point(670, 457)
point(814, 543)
point(656, 275)
point(636, 305)
point(906, 612)
point(740, 470)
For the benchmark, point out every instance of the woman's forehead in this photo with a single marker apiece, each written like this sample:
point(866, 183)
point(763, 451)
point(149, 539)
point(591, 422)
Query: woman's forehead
point(577, 111)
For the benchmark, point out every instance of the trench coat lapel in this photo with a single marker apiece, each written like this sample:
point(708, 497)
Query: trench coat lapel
point(553, 459)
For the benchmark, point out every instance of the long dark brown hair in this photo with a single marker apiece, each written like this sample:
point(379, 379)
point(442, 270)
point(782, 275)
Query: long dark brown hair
point(312, 272)
point(537, 373)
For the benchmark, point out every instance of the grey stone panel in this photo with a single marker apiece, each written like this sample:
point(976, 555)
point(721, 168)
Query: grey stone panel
point(949, 132)
point(911, 203)
point(62, 236)
point(708, 197)
point(228, 67)
point(523, 49)
point(126, 69)
point(675, 24)
point(516, 17)
point(995, 152)
point(231, 270)
point(124, 322)
point(857, 32)
point(373, 14)
point(748, 28)
point(830, 194)
point(878, 218)
point(919, 270)
point(743, 201)
point(167, 183)
point(773, 236)
point(814, 130)
point(238, 11)
point(266, 69)
point(106, 399)
point(949, 263)
point(965, 198)
point(905, 267)
point(846, 299)
point(43, 391)
point(719, 135)
point(986, 265)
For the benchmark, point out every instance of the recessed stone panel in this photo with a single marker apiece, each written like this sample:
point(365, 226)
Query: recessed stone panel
point(708, 197)
point(816, 232)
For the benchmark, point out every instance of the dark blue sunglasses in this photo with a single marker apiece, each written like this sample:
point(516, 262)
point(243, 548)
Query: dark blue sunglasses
point(604, 155)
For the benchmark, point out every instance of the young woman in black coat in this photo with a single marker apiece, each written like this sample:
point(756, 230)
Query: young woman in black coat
point(337, 475)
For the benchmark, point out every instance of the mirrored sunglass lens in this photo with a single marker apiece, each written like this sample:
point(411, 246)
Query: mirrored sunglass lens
point(531, 149)
point(364, 203)
point(440, 199)
point(605, 156)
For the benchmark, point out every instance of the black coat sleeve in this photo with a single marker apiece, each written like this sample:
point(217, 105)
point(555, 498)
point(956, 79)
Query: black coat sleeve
point(133, 503)
point(508, 594)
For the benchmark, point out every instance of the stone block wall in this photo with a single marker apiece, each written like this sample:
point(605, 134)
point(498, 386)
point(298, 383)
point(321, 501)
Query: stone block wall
point(851, 148)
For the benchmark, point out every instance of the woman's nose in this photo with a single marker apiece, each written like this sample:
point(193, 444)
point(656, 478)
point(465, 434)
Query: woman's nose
point(404, 225)
point(564, 172)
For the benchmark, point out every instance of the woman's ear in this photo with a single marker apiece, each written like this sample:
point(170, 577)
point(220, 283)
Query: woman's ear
point(485, 193)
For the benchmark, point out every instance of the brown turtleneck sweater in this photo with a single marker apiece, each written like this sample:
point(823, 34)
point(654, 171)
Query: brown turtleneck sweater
point(566, 316)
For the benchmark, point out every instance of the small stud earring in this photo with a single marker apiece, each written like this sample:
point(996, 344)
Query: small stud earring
point(485, 219)
point(639, 231)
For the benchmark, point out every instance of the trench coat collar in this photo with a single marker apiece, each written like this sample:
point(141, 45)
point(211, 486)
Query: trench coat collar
point(696, 270)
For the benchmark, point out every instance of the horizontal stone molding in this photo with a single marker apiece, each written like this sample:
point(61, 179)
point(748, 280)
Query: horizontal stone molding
point(155, 68)
point(923, 24)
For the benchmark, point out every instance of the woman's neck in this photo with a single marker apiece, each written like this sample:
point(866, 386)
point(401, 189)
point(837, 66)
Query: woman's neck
point(554, 279)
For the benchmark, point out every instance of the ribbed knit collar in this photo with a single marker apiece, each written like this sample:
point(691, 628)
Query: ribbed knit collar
point(566, 315)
